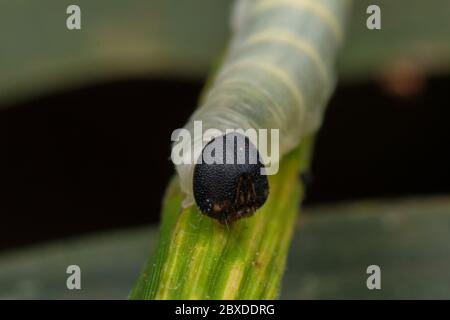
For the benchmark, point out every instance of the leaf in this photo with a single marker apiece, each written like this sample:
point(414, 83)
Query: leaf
point(415, 32)
point(408, 238)
point(109, 264)
point(117, 39)
point(197, 258)
point(169, 38)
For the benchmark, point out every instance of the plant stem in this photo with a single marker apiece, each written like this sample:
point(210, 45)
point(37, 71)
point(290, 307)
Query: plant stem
point(198, 258)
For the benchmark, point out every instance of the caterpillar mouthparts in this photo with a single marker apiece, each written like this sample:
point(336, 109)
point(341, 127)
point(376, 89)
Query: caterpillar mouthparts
point(228, 179)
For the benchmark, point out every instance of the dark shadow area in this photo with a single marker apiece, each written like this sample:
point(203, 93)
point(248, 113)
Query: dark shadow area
point(91, 159)
point(374, 144)
point(98, 158)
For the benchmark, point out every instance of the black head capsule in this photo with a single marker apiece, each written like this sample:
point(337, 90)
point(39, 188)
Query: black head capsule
point(228, 183)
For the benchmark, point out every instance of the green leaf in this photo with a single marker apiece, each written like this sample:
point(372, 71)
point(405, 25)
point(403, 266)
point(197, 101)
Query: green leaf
point(117, 39)
point(109, 264)
point(198, 258)
point(183, 38)
point(331, 249)
point(415, 32)
point(408, 239)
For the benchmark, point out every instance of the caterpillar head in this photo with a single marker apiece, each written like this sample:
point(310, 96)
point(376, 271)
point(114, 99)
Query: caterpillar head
point(228, 181)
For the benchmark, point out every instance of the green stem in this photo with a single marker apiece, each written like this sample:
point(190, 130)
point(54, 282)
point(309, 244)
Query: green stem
point(198, 258)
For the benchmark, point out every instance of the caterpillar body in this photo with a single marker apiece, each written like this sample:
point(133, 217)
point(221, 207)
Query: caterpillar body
point(278, 73)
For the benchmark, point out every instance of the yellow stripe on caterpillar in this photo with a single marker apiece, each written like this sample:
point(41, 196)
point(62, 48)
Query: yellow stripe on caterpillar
point(302, 45)
point(272, 70)
point(275, 109)
point(317, 8)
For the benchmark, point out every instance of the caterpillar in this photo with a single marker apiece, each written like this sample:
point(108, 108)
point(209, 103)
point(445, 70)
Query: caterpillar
point(278, 73)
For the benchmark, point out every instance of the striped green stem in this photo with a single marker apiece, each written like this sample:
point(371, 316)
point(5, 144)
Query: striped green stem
point(278, 73)
point(198, 258)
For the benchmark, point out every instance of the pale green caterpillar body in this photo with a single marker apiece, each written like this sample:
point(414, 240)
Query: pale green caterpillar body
point(278, 73)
